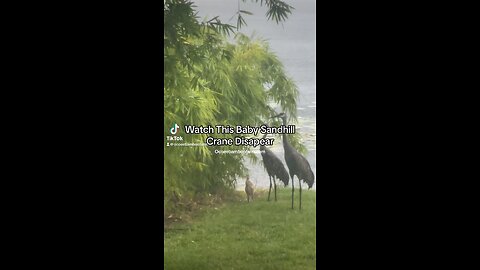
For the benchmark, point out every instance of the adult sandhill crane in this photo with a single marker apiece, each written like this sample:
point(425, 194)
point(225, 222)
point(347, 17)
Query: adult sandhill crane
point(274, 167)
point(249, 188)
point(296, 163)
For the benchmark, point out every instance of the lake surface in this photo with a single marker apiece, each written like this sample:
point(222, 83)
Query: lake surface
point(294, 43)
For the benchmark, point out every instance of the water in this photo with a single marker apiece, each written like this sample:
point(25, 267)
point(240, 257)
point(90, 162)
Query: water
point(294, 43)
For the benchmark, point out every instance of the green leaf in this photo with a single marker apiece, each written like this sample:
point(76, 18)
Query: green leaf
point(246, 12)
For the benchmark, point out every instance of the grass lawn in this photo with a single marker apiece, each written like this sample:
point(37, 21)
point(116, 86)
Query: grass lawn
point(241, 235)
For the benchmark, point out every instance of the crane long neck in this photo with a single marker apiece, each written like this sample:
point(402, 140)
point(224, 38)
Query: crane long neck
point(285, 140)
point(262, 147)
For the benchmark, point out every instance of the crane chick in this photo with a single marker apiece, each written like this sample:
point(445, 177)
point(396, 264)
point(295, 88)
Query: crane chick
point(249, 189)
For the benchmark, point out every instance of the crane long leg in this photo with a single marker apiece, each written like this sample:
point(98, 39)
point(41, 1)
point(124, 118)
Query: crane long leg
point(270, 189)
point(293, 188)
point(275, 187)
point(300, 184)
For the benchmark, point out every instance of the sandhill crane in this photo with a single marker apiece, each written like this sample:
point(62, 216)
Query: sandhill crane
point(274, 167)
point(296, 163)
point(249, 188)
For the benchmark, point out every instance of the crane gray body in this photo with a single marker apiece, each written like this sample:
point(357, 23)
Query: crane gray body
point(275, 169)
point(297, 164)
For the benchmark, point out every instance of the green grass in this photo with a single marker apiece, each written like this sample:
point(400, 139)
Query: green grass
point(241, 235)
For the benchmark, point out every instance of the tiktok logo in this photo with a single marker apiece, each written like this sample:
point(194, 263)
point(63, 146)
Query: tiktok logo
point(174, 129)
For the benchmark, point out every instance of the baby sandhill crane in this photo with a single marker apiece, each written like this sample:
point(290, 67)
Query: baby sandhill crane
point(249, 188)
